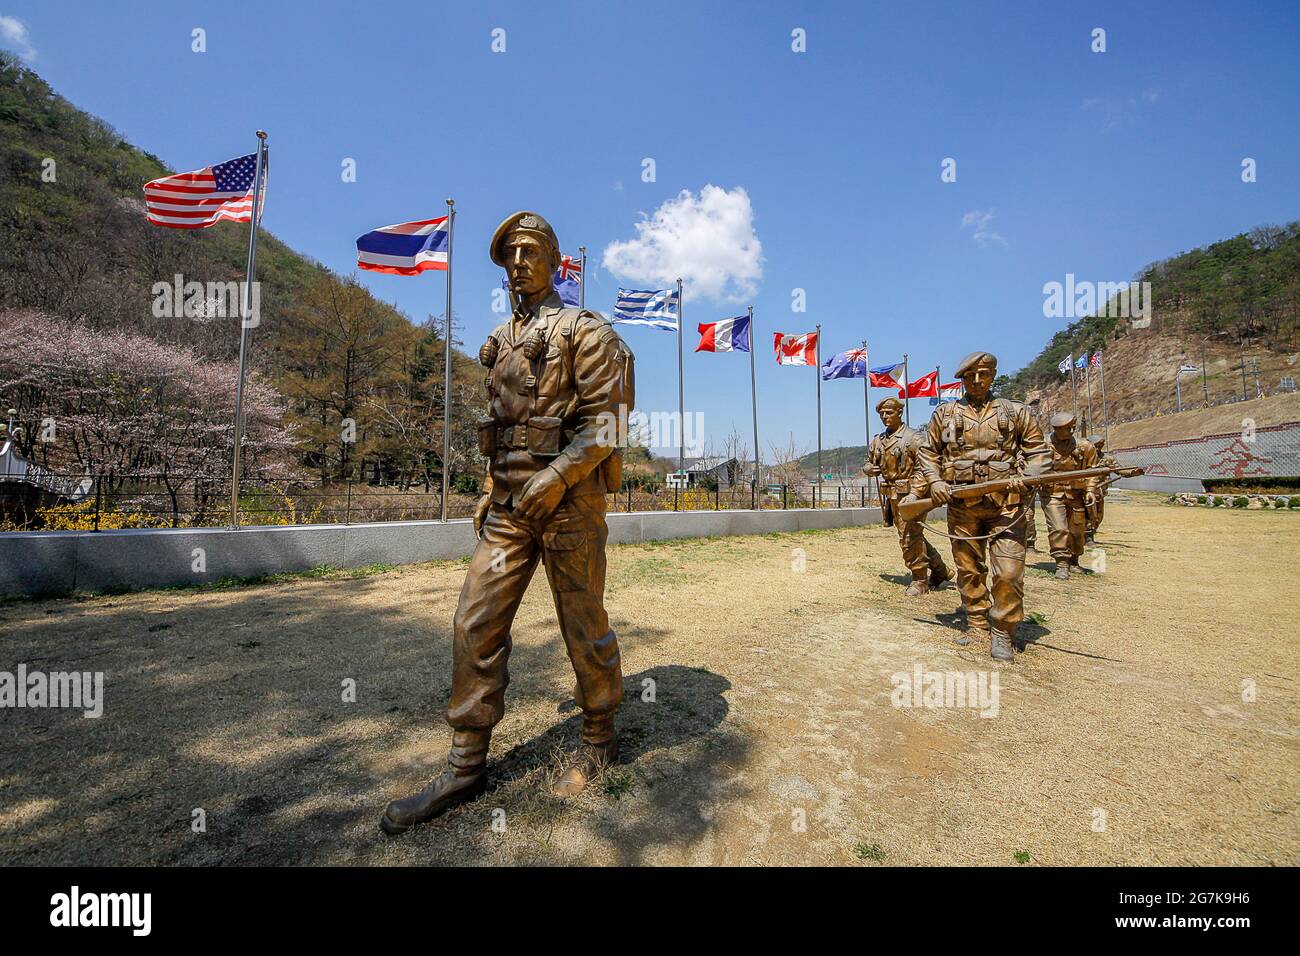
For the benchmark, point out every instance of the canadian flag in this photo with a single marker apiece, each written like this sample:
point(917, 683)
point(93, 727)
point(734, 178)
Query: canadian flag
point(796, 349)
point(927, 386)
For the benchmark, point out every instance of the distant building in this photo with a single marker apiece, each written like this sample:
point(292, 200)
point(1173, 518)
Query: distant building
point(726, 471)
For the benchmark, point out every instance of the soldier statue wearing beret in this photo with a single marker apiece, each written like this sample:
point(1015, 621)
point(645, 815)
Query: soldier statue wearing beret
point(981, 438)
point(891, 460)
point(557, 378)
point(1065, 505)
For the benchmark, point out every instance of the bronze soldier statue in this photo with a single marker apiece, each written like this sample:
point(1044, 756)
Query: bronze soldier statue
point(1065, 504)
point(891, 460)
point(557, 378)
point(1098, 511)
point(976, 439)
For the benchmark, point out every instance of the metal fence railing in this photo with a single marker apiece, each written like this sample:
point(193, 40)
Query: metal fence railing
point(147, 501)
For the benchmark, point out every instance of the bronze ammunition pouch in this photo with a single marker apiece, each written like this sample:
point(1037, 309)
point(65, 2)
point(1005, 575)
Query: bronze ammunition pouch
point(542, 435)
point(977, 466)
point(487, 438)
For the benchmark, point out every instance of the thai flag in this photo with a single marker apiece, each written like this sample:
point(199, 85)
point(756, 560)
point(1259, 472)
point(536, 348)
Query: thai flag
point(405, 249)
point(725, 335)
point(796, 349)
point(886, 376)
point(949, 392)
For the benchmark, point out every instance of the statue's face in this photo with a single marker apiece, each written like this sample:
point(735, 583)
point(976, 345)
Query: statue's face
point(1063, 432)
point(978, 380)
point(528, 266)
point(891, 416)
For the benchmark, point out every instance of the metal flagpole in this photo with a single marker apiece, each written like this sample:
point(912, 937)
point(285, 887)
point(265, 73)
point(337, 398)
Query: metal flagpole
point(681, 391)
point(1074, 392)
point(907, 405)
point(1087, 385)
point(446, 372)
point(817, 352)
point(582, 278)
point(753, 398)
point(1105, 417)
point(1205, 386)
point(244, 316)
point(937, 379)
point(866, 401)
point(1178, 390)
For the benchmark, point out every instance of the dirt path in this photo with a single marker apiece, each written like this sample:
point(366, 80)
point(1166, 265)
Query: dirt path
point(1121, 734)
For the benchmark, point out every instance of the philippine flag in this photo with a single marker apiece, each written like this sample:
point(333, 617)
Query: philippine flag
point(796, 349)
point(405, 249)
point(886, 376)
point(725, 335)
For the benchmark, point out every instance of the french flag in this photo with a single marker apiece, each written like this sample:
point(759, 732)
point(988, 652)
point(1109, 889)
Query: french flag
point(725, 335)
point(405, 249)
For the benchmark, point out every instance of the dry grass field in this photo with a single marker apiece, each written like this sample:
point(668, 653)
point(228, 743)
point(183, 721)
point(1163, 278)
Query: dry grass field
point(1122, 734)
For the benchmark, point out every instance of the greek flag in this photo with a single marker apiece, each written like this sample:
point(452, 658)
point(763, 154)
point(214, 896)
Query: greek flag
point(656, 309)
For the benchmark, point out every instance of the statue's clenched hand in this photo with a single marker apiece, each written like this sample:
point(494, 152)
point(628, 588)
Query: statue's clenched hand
point(542, 495)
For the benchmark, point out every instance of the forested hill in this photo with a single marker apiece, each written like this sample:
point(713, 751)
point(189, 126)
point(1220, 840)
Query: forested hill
point(78, 256)
point(1240, 295)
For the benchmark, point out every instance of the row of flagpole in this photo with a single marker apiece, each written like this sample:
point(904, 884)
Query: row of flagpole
point(1097, 360)
point(419, 241)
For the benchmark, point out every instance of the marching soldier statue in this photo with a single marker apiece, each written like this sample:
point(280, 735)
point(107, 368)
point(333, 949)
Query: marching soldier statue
point(558, 379)
point(970, 441)
point(891, 460)
point(1065, 504)
point(1098, 510)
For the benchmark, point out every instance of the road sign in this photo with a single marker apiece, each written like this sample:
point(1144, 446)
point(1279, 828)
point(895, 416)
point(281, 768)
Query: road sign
point(677, 479)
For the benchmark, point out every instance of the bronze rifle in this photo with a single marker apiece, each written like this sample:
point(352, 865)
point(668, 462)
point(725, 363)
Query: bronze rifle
point(911, 510)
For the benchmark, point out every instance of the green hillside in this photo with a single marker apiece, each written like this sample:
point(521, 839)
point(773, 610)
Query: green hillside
point(75, 247)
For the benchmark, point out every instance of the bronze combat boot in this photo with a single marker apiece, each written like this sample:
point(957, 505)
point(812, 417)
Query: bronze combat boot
point(918, 586)
point(1001, 645)
point(464, 779)
point(1062, 570)
point(599, 747)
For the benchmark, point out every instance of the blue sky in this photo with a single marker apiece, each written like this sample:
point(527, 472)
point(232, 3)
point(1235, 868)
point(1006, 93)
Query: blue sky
point(1068, 161)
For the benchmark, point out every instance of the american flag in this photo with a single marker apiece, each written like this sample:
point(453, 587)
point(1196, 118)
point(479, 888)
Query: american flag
point(197, 200)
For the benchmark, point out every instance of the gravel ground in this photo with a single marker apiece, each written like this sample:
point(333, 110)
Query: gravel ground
point(1152, 719)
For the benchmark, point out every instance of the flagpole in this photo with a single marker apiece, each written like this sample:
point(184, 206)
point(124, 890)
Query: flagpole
point(1105, 416)
point(582, 282)
point(245, 315)
point(446, 371)
point(938, 380)
point(1074, 392)
point(866, 401)
point(681, 391)
point(753, 398)
point(1087, 385)
point(1178, 389)
point(817, 352)
point(907, 406)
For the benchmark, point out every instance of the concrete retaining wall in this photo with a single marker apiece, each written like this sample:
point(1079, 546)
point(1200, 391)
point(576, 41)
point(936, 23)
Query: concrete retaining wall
point(1268, 450)
point(55, 562)
point(1171, 484)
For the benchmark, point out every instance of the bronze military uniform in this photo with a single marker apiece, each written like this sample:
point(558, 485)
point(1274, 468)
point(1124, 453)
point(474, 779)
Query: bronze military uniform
point(976, 439)
point(891, 459)
point(557, 381)
point(1064, 503)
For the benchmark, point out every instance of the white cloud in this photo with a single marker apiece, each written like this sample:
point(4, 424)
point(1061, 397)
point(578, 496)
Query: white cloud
point(13, 34)
point(981, 224)
point(709, 241)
